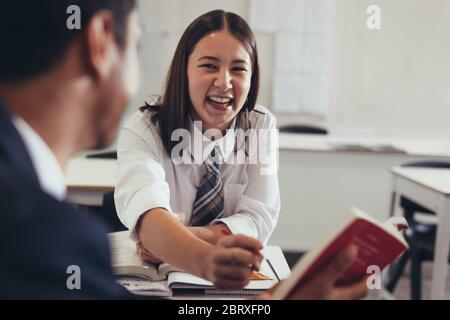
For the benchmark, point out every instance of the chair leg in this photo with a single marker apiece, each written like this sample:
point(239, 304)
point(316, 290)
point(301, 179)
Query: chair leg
point(416, 276)
point(392, 208)
point(396, 271)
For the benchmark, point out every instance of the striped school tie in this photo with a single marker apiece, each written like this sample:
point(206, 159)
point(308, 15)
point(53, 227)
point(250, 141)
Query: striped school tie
point(209, 203)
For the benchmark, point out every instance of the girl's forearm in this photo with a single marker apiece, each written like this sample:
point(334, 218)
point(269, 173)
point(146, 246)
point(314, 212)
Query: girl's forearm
point(172, 242)
point(211, 234)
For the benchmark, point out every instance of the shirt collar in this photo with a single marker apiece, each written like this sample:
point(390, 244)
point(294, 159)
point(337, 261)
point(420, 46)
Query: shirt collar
point(200, 151)
point(50, 174)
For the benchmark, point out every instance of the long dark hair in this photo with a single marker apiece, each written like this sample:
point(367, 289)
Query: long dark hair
point(174, 106)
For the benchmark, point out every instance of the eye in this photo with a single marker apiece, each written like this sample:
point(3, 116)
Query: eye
point(208, 66)
point(239, 69)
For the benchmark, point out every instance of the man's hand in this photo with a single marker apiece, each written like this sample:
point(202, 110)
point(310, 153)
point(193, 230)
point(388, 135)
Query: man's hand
point(231, 262)
point(322, 285)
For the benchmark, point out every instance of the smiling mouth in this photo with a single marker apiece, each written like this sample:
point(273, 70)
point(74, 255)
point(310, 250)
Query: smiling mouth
point(220, 101)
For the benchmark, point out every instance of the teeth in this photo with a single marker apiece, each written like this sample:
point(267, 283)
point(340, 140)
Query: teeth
point(220, 100)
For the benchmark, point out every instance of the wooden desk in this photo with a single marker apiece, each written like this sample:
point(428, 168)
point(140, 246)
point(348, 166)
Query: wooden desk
point(431, 189)
point(89, 179)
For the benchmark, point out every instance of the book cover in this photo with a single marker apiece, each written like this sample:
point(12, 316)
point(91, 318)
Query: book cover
point(378, 244)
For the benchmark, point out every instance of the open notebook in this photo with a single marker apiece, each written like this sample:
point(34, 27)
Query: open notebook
point(164, 280)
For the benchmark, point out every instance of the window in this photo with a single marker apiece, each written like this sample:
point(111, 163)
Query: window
point(301, 33)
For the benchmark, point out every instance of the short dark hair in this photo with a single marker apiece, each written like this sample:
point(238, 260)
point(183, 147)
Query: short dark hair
point(34, 35)
point(173, 108)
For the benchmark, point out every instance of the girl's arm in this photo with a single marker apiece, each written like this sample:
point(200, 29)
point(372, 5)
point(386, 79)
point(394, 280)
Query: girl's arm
point(211, 234)
point(228, 265)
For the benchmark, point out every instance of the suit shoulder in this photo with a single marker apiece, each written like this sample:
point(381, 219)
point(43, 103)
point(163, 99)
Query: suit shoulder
point(48, 238)
point(28, 209)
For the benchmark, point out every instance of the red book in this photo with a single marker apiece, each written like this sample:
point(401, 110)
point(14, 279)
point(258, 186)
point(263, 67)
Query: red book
point(378, 244)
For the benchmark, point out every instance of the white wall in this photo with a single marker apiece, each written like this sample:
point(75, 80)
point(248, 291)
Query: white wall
point(395, 81)
point(318, 188)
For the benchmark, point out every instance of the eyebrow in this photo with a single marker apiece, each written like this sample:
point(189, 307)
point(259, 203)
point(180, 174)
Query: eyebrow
point(218, 60)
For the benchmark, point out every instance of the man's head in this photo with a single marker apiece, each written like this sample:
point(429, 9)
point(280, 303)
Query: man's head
point(100, 57)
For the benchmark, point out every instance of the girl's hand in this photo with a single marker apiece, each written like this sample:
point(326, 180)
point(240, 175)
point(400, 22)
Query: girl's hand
point(146, 255)
point(232, 261)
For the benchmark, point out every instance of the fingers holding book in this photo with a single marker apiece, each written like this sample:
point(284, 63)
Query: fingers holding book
point(323, 285)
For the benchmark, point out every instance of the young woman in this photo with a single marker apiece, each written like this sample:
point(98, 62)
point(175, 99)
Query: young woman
point(200, 163)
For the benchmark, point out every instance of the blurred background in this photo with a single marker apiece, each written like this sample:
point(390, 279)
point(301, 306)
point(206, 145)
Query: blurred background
point(352, 102)
point(321, 65)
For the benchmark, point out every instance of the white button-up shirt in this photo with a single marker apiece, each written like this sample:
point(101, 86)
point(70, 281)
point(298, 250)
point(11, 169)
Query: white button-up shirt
point(148, 177)
point(49, 172)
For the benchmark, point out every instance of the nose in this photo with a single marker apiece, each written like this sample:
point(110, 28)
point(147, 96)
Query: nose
point(223, 80)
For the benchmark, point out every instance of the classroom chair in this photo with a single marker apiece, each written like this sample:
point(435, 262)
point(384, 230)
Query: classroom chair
point(108, 209)
point(103, 155)
point(109, 215)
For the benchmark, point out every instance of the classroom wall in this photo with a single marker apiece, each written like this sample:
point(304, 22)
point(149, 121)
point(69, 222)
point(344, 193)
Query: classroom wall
point(318, 189)
point(395, 81)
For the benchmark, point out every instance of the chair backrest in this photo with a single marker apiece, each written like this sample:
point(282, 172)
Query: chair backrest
point(103, 155)
point(108, 210)
point(109, 214)
point(428, 164)
point(303, 129)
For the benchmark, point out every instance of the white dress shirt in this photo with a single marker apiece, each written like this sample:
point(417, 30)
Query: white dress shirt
point(49, 172)
point(148, 177)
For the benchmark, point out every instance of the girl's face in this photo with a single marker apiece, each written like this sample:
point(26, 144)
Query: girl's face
point(219, 74)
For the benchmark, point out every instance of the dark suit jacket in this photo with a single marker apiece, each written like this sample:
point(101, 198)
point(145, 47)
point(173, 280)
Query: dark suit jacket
point(41, 237)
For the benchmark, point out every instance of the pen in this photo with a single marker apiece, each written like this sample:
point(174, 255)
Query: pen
point(273, 269)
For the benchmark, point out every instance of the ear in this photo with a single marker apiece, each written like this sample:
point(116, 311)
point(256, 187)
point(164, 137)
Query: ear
point(101, 48)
